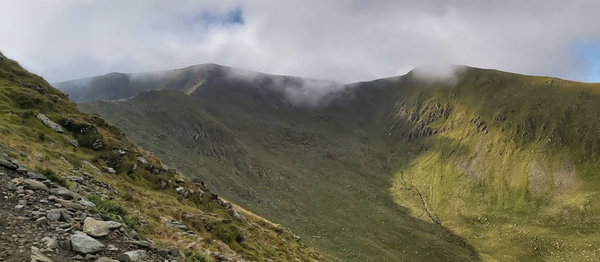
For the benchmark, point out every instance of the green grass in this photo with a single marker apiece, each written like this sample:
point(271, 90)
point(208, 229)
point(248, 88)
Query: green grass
point(502, 165)
point(48, 173)
point(195, 256)
point(113, 211)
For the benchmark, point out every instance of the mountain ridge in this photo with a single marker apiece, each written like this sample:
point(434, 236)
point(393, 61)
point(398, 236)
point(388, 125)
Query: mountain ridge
point(470, 157)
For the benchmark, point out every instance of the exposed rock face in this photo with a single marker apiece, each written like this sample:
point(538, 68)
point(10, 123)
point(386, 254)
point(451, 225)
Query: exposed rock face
point(82, 243)
point(54, 126)
point(95, 227)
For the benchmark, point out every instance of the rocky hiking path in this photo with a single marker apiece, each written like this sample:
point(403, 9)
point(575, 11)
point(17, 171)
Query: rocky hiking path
point(42, 221)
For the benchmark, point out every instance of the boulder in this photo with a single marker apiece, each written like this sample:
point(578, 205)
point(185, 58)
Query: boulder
point(35, 185)
point(133, 256)
point(82, 243)
point(95, 227)
point(46, 121)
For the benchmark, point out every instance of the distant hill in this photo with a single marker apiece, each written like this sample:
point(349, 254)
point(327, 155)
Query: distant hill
point(482, 165)
point(205, 78)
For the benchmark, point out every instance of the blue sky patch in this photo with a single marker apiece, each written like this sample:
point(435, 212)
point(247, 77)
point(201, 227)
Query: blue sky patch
point(590, 54)
point(231, 17)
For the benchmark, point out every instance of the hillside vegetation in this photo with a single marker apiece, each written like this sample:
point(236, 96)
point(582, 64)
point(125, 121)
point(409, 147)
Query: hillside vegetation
point(487, 165)
point(150, 197)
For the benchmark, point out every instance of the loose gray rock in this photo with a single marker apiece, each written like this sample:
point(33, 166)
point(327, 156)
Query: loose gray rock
point(112, 224)
point(237, 215)
point(36, 176)
point(111, 170)
point(50, 242)
point(35, 185)
point(71, 141)
point(58, 214)
point(21, 170)
point(98, 144)
point(142, 160)
point(46, 121)
point(11, 186)
point(105, 259)
point(8, 165)
point(90, 165)
point(140, 243)
point(95, 227)
point(86, 203)
point(134, 234)
point(82, 243)
point(133, 256)
point(71, 205)
point(37, 256)
point(65, 193)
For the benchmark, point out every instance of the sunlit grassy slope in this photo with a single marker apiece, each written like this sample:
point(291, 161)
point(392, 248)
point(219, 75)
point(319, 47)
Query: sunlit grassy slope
point(391, 172)
point(146, 196)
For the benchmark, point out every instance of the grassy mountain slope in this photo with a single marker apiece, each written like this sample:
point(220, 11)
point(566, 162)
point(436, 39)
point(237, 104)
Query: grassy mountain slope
point(308, 171)
point(321, 172)
point(146, 188)
point(505, 161)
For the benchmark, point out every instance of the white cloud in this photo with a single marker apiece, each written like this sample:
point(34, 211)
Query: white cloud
point(339, 40)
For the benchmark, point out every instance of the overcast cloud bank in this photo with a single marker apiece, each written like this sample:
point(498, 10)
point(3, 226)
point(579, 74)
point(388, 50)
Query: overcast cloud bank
point(344, 41)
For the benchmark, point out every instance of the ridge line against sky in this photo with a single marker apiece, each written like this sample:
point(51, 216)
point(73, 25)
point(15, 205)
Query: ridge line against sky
point(344, 41)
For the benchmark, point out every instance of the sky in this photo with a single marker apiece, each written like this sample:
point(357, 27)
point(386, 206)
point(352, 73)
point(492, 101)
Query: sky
point(339, 40)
